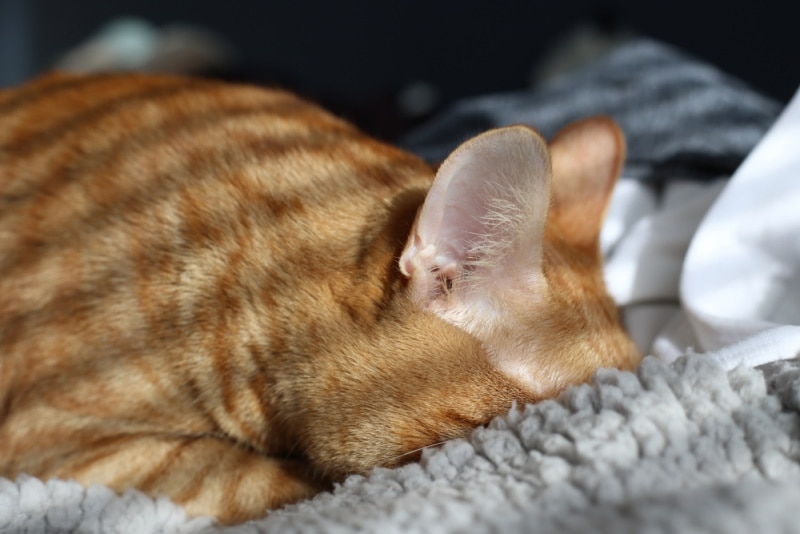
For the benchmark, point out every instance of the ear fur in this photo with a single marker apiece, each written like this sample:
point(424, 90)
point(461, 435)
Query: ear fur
point(474, 256)
point(481, 226)
point(587, 158)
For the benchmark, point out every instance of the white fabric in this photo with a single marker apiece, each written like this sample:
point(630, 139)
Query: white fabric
point(739, 282)
point(742, 272)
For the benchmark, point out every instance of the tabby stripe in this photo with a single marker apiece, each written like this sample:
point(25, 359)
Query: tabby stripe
point(186, 120)
point(124, 153)
point(195, 392)
point(248, 423)
point(127, 148)
point(73, 295)
point(163, 382)
point(74, 125)
point(101, 448)
point(258, 381)
point(195, 485)
point(234, 485)
point(221, 348)
point(46, 90)
point(157, 471)
point(258, 389)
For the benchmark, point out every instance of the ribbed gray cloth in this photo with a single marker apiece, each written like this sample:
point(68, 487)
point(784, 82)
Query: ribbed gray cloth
point(682, 118)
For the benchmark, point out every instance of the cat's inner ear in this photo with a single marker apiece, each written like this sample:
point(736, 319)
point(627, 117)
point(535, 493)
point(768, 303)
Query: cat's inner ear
point(587, 158)
point(481, 226)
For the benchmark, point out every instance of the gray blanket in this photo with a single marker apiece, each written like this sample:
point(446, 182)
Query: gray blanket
point(685, 447)
point(682, 118)
point(670, 449)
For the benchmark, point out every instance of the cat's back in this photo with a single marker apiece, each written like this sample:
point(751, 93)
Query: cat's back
point(79, 128)
point(145, 216)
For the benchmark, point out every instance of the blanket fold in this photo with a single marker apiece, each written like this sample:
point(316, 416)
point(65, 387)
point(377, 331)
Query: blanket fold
point(741, 276)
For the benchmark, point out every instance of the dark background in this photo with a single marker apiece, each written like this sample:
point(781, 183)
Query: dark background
point(356, 57)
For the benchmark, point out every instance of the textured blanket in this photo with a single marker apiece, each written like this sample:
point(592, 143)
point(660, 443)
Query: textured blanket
point(682, 447)
point(685, 444)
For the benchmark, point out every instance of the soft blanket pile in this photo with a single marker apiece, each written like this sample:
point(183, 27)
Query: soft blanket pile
point(675, 448)
point(707, 270)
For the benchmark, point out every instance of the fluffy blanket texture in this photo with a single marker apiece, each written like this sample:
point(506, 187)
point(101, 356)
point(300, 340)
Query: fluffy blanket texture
point(690, 442)
point(675, 447)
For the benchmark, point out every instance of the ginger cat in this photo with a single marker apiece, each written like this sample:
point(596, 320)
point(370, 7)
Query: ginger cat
point(226, 295)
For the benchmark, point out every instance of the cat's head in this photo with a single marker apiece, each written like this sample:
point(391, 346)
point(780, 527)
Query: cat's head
point(506, 248)
point(503, 268)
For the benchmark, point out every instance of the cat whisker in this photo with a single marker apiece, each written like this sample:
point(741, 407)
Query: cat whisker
point(414, 451)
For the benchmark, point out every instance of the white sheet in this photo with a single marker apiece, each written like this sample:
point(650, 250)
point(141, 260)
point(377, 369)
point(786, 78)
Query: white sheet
point(714, 268)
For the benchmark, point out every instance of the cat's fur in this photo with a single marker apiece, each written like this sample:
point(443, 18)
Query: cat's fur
point(225, 295)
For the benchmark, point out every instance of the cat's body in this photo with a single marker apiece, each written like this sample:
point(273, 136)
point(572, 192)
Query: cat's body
point(210, 292)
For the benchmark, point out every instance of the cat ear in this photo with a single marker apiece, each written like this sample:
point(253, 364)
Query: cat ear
point(587, 158)
point(481, 226)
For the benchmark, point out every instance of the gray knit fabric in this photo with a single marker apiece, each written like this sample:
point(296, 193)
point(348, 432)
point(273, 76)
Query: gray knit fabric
point(682, 118)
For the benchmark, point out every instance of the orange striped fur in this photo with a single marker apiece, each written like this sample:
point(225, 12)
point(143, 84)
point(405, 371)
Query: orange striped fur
point(222, 293)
